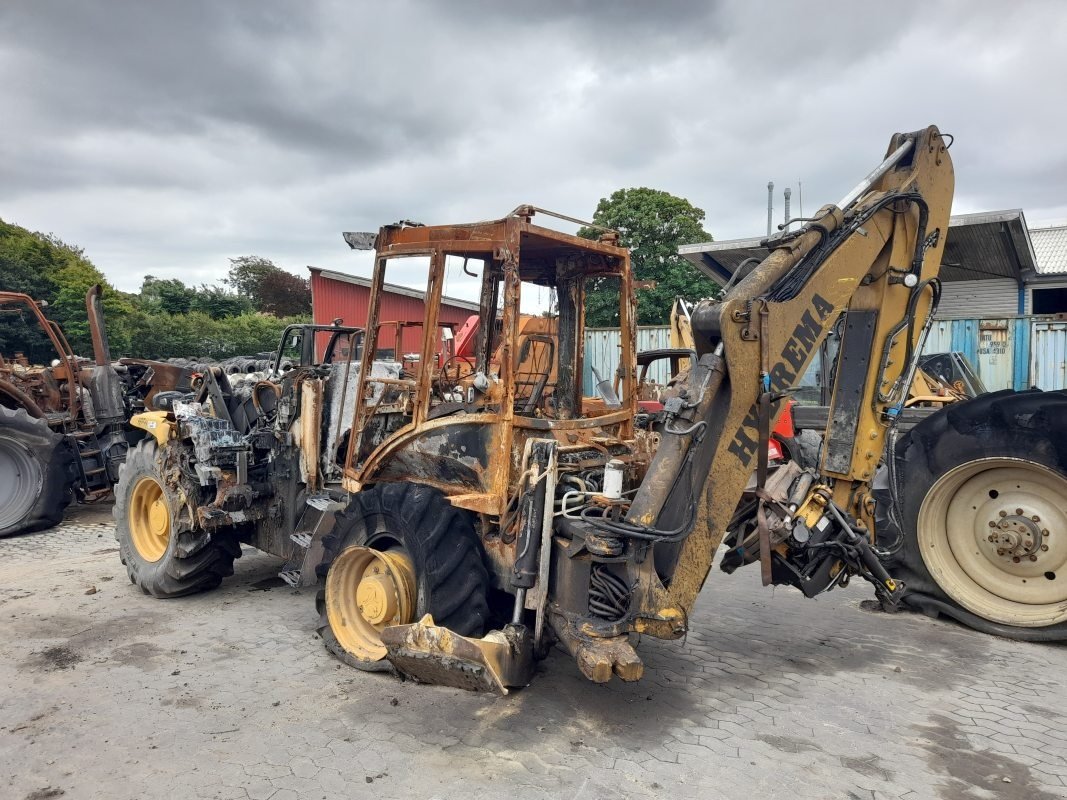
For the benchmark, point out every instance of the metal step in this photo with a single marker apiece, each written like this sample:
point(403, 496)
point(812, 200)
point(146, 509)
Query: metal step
point(299, 570)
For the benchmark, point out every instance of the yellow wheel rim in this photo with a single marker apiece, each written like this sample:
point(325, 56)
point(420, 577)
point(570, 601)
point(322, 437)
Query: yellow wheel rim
point(367, 591)
point(993, 533)
point(149, 519)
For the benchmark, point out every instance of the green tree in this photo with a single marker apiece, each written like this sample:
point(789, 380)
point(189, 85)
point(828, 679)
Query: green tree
point(247, 272)
point(653, 224)
point(28, 261)
point(47, 268)
point(166, 319)
point(165, 294)
point(68, 308)
point(218, 303)
point(270, 288)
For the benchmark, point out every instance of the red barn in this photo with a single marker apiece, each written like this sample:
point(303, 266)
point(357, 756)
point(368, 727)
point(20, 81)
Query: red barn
point(335, 294)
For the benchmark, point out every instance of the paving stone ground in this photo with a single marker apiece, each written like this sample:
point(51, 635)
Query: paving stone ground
point(112, 694)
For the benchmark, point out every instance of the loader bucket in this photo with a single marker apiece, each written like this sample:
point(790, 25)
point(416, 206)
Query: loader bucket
point(431, 654)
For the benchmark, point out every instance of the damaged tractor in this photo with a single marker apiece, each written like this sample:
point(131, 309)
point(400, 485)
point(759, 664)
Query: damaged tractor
point(63, 419)
point(462, 513)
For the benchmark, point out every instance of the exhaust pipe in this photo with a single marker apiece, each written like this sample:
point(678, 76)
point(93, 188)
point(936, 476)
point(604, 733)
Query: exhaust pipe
point(95, 311)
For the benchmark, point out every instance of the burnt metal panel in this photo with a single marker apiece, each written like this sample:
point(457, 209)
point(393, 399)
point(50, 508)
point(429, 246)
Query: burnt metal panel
point(813, 418)
point(853, 361)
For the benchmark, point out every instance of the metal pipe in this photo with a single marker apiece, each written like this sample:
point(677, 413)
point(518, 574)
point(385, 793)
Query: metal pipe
point(520, 605)
point(770, 207)
point(890, 162)
point(97, 331)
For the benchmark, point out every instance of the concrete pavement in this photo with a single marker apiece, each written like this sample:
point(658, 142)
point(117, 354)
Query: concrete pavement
point(108, 693)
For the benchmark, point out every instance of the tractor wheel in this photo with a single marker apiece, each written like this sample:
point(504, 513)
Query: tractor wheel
point(399, 551)
point(163, 555)
point(982, 502)
point(36, 473)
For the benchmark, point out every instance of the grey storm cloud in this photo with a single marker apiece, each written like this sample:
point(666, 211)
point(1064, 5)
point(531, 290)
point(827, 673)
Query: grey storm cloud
point(166, 137)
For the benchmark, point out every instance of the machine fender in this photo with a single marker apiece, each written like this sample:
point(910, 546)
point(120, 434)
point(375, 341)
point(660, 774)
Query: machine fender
point(157, 423)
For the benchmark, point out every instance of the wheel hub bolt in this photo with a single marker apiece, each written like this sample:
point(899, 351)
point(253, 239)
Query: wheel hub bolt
point(1033, 558)
point(1003, 513)
point(1015, 559)
point(1035, 518)
point(1018, 512)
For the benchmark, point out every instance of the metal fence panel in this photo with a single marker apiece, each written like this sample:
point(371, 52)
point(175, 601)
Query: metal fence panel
point(1006, 353)
point(602, 351)
point(1048, 355)
point(996, 340)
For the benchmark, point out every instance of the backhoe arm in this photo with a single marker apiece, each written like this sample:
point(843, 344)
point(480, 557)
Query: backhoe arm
point(876, 257)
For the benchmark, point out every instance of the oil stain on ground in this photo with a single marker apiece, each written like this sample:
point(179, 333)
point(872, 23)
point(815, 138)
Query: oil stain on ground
point(971, 774)
point(53, 658)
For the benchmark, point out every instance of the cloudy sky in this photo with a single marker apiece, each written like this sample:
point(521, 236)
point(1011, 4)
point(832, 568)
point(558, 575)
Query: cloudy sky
point(165, 138)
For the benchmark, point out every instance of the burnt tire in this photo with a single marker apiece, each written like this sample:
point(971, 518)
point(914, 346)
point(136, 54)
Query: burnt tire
point(189, 560)
point(451, 581)
point(966, 471)
point(37, 473)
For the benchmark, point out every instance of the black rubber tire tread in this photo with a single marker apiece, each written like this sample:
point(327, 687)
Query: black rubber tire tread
point(450, 575)
point(195, 560)
point(1030, 424)
point(55, 460)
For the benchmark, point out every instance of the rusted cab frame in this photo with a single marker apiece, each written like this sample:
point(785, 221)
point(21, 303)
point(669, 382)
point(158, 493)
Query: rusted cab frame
point(65, 372)
point(463, 453)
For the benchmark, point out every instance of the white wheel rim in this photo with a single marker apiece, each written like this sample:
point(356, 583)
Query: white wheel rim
point(21, 482)
point(993, 533)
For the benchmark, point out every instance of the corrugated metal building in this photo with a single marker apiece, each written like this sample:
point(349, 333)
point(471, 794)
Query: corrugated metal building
point(1048, 291)
point(986, 270)
point(1003, 303)
point(336, 295)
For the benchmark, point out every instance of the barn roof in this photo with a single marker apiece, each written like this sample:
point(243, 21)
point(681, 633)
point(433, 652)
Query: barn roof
point(391, 288)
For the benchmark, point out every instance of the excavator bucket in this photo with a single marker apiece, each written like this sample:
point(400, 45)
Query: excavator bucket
point(428, 653)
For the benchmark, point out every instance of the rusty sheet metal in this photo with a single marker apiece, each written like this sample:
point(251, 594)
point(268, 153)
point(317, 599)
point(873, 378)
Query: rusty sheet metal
point(310, 431)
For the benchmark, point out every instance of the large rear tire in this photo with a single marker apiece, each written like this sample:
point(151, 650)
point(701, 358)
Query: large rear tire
point(36, 473)
point(399, 551)
point(164, 555)
point(983, 504)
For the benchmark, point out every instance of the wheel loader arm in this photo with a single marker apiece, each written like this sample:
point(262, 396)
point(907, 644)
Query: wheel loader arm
point(876, 257)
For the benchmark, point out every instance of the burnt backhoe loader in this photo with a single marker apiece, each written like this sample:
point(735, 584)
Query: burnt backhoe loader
point(460, 522)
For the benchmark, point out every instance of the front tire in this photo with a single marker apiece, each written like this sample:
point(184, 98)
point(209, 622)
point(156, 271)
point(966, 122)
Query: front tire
point(36, 473)
point(398, 552)
point(164, 555)
point(983, 502)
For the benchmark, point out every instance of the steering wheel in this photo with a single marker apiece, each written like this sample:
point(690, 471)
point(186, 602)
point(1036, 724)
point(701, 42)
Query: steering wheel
point(451, 373)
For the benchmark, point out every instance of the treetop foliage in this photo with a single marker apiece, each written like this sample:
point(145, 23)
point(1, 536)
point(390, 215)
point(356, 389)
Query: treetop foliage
point(270, 288)
point(653, 224)
point(166, 318)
